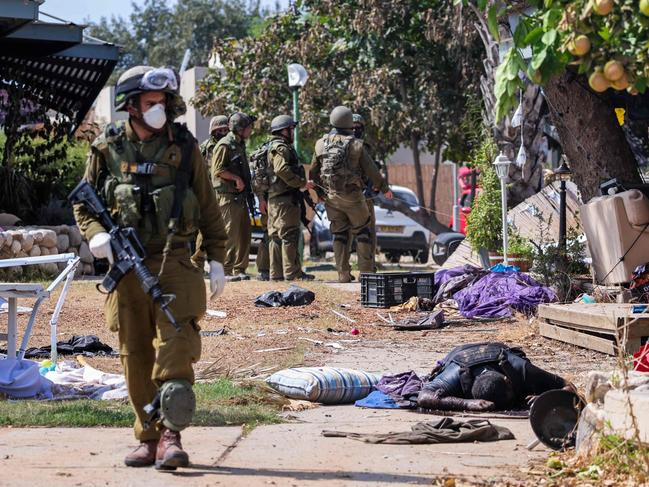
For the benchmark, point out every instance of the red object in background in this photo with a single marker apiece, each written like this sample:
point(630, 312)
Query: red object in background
point(641, 359)
point(469, 187)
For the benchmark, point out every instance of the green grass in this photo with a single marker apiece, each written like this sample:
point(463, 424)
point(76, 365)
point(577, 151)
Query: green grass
point(218, 403)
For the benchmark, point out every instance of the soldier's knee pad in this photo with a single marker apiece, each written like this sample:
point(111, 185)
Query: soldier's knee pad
point(177, 404)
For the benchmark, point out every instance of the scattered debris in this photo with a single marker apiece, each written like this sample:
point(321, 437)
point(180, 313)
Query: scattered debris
point(277, 349)
point(342, 316)
point(216, 313)
point(214, 333)
point(293, 296)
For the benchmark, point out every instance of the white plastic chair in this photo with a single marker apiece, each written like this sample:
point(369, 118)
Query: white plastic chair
point(13, 291)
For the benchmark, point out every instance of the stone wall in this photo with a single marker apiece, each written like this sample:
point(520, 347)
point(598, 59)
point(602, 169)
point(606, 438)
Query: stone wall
point(18, 242)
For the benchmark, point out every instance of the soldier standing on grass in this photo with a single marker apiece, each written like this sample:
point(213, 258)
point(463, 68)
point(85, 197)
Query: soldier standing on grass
point(135, 166)
point(231, 180)
point(218, 130)
point(340, 163)
point(288, 179)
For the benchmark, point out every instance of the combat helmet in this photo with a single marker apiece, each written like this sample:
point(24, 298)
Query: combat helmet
point(281, 122)
point(239, 121)
point(218, 122)
point(341, 117)
point(140, 79)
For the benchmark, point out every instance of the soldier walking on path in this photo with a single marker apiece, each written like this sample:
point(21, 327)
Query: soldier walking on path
point(137, 167)
point(231, 180)
point(340, 163)
point(286, 181)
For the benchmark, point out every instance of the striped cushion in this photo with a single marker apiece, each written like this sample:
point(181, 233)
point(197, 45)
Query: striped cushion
point(327, 385)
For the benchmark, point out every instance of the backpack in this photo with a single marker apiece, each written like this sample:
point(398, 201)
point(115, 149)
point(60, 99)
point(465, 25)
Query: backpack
point(335, 170)
point(261, 172)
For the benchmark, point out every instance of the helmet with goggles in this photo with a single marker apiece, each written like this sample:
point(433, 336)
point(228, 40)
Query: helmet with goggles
point(139, 79)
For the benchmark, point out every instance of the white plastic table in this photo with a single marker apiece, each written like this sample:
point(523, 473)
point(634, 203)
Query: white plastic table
point(14, 291)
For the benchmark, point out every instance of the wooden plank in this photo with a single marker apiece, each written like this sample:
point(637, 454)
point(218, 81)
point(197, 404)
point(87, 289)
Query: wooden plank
point(578, 338)
point(580, 327)
point(590, 315)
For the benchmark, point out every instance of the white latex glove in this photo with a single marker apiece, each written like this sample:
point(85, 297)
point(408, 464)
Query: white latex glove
point(217, 279)
point(100, 247)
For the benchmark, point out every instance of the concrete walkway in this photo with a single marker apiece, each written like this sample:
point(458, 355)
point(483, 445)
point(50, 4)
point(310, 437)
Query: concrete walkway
point(291, 454)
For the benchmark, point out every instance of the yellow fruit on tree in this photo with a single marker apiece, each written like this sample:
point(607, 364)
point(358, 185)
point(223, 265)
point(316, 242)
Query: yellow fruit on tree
point(598, 82)
point(644, 7)
point(580, 46)
point(621, 84)
point(603, 7)
point(613, 70)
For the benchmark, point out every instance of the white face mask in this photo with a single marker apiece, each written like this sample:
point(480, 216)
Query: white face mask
point(155, 117)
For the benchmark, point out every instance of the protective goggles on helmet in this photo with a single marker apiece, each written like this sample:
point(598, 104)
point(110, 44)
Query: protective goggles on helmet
point(159, 79)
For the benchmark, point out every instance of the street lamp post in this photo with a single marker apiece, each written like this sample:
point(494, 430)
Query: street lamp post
point(562, 174)
point(501, 164)
point(297, 77)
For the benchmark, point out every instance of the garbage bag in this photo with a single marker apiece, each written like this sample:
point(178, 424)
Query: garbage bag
point(293, 296)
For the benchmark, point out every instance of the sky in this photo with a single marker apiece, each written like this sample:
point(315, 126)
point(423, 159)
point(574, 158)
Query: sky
point(79, 11)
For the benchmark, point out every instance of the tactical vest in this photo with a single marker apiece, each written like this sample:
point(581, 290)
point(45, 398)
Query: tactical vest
point(490, 353)
point(207, 150)
point(236, 164)
point(140, 193)
point(337, 171)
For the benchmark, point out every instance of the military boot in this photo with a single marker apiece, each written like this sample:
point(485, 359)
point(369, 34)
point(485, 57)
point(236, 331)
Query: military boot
point(170, 454)
point(143, 455)
point(344, 276)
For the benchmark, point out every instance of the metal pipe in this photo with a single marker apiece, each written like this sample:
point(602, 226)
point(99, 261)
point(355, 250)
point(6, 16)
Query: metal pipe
point(562, 217)
point(456, 206)
point(503, 194)
point(296, 117)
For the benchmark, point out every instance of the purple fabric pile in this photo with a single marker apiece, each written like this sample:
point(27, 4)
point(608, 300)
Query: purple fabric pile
point(485, 294)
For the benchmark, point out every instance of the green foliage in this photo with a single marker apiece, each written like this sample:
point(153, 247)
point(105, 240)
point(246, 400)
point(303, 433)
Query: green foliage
point(217, 403)
point(43, 168)
point(553, 267)
point(518, 245)
point(484, 223)
point(550, 31)
point(157, 33)
point(385, 60)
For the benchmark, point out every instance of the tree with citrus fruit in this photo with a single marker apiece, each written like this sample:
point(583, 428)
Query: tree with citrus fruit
point(590, 56)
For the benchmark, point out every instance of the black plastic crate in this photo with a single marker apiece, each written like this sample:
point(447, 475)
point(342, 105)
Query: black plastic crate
point(393, 288)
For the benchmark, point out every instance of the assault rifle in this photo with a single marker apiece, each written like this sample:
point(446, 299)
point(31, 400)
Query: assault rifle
point(306, 200)
point(127, 249)
point(250, 196)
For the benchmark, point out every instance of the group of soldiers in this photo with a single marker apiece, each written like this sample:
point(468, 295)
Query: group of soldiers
point(343, 175)
point(152, 177)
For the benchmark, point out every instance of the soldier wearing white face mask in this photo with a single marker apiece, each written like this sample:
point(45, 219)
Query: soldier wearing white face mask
point(136, 167)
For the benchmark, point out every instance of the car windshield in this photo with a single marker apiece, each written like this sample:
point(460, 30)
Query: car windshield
point(408, 198)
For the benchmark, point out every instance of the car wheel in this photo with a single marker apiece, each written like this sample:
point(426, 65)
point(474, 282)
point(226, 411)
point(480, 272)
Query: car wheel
point(420, 256)
point(393, 258)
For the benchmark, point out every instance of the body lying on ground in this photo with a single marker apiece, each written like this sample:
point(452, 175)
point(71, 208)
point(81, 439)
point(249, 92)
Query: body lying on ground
point(485, 377)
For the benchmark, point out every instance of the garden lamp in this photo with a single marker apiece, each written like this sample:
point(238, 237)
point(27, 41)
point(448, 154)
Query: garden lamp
point(562, 174)
point(501, 165)
point(297, 77)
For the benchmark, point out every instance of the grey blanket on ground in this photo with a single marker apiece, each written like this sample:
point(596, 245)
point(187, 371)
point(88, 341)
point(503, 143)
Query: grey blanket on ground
point(446, 430)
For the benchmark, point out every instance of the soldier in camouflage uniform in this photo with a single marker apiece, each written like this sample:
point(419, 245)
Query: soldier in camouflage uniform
point(135, 166)
point(340, 162)
point(218, 130)
point(231, 179)
point(284, 196)
point(368, 191)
